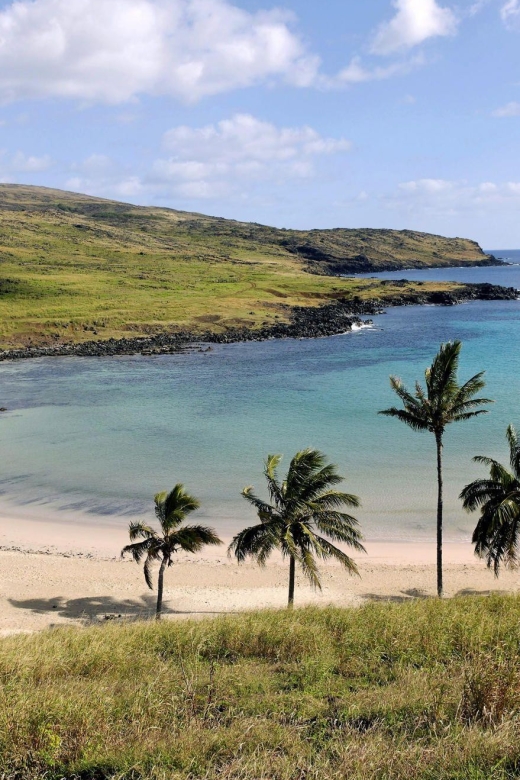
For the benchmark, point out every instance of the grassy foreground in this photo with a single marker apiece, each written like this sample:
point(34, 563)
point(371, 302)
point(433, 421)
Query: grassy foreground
point(75, 268)
point(426, 689)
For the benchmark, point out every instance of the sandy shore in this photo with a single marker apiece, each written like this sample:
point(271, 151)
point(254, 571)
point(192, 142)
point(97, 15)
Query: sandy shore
point(54, 573)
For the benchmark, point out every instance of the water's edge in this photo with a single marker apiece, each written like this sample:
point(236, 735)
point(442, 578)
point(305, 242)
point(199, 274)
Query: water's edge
point(330, 319)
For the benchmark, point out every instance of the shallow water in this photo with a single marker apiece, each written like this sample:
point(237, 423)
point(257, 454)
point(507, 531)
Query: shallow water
point(101, 436)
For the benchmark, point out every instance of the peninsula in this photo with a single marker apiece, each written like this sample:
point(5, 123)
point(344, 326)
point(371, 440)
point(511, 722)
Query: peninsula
point(83, 275)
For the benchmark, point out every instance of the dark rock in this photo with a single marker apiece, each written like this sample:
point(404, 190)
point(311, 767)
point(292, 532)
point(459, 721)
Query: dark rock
point(305, 322)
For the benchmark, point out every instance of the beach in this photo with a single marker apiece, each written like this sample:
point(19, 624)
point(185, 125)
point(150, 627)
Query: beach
point(70, 574)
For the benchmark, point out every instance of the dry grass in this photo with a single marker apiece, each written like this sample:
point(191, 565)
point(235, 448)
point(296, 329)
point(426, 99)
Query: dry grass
point(421, 690)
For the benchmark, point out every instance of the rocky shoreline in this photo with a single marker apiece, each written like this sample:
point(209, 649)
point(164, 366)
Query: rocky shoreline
point(305, 322)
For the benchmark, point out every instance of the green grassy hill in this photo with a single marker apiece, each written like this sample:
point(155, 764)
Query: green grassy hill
point(74, 268)
point(427, 690)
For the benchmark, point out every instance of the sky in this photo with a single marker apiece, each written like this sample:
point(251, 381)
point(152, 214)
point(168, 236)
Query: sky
point(300, 114)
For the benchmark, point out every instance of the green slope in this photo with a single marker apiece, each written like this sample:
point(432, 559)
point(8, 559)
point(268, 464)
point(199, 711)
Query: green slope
point(426, 690)
point(73, 267)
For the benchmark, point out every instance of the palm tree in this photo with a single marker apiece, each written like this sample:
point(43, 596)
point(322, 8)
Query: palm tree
point(304, 503)
point(443, 401)
point(496, 534)
point(171, 509)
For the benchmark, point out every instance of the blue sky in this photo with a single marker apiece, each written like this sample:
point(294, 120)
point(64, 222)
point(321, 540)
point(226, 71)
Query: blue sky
point(393, 113)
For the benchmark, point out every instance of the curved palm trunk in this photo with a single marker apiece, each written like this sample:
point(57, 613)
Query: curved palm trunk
point(438, 440)
point(292, 571)
point(160, 587)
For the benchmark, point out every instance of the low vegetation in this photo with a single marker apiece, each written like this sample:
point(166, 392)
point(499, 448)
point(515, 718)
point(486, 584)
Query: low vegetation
point(426, 690)
point(75, 268)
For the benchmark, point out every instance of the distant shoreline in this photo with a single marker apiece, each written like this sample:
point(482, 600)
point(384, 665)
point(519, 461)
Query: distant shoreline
point(329, 319)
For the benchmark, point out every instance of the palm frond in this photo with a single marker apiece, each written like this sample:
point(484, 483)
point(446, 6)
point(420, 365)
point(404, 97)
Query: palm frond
point(414, 421)
point(271, 474)
point(255, 542)
point(466, 406)
point(315, 484)
point(303, 469)
point(470, 388)
point(160, 500)
point(480, 492)
point(148, 570)
point(176, 506)
point(514, 449)
point(340, 528)
point(192, 538)
point(138, 549)
point(265, 511)
point(441, 377)
point(325, 549)
point(410, 401)
point(309, 567)
point(141, 531)
point(333, 499)
point(496, 534)
point(468, 415)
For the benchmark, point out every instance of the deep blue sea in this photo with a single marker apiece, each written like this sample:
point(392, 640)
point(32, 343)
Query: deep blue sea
point(102, 436)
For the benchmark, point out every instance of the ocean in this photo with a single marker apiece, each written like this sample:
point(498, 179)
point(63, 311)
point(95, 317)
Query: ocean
point(98, 437)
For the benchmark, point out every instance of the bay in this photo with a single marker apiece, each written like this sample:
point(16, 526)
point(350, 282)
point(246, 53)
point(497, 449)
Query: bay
point(98, 437)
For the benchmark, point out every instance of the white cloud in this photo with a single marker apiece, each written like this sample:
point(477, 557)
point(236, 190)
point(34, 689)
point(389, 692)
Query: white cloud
point(426, 186)
point(445, 197)
point(476, 7)
point(510, 109)
point(21, 163)
point(115, 50)
point(242, 149)
point(10, 165)
point(230, 158)
point(414, 22)
point(244, 137)
point(100, 175)
point(510, 13)
point(357, 73)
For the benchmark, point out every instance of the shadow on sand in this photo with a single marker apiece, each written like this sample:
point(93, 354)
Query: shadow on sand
point(101, 608)
point(415, 593)
point(405, 595)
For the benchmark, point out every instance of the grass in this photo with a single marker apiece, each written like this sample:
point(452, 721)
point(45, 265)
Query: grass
point(428, 689)
point(74, 268)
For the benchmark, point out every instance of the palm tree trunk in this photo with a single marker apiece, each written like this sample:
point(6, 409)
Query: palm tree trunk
point(292, 571)
point(438, 440)
point(160, 586)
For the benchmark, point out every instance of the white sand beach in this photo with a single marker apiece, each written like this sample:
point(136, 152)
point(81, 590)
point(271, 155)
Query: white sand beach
point(70, 573)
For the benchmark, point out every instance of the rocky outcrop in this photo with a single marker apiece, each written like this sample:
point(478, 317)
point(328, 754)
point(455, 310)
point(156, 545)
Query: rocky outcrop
point(305, 322)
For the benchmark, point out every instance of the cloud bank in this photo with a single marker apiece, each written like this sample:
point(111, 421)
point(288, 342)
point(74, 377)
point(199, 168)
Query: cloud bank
point(94, 50)
point(226, 159)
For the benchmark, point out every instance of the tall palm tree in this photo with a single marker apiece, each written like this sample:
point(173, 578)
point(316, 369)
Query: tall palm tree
point(171, 509)
point(498, 498)
point(303, 504)
point(441, 403)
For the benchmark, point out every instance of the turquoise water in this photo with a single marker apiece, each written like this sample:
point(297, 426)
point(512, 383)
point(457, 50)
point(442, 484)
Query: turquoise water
point(101, 436)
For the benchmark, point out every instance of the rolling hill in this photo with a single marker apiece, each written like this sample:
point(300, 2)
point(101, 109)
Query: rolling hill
point(75, 268)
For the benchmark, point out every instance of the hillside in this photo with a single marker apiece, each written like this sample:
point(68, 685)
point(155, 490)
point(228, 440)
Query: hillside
point(424, 690)
point(75, 268)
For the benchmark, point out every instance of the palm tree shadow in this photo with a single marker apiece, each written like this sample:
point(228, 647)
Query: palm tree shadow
point(473, 592)
point(405, 595)
point(96, 608)
point(90, 608)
